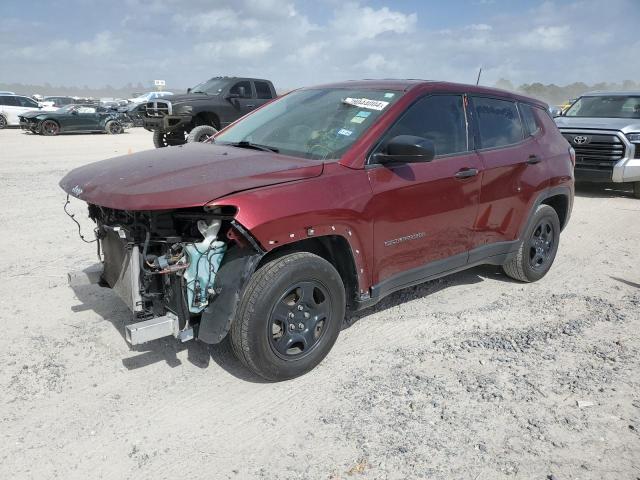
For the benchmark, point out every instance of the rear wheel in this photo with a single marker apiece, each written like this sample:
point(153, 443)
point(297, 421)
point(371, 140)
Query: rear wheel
point(538, 249)
point(289, 316)
point(168, 139)
point(113, 127)
point(3, 122)
point(50, 128)
point(201, 133)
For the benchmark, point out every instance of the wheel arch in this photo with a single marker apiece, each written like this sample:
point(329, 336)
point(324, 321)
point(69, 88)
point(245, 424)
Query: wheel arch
point(335, 249)
point(560, 203)
point(206, 118)
point(560, 198)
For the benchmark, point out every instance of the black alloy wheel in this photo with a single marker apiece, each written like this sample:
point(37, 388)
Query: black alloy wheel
point(538, 247)
point(541, 244)
point(298, 318)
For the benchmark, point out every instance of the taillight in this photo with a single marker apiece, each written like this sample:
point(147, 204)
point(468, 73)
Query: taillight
point(572, 154)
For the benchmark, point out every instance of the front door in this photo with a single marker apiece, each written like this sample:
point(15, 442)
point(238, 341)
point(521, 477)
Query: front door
point(425, 212)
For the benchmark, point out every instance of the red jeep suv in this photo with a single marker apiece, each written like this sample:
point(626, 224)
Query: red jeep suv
point(325, 200)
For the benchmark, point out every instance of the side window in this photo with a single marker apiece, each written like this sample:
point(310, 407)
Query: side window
point(27, 102)
point(3, 100)
point(10, 101)
point(263, 90)
point(498, 122)
point(529, 119)
point(440, 118)
point(237, 89)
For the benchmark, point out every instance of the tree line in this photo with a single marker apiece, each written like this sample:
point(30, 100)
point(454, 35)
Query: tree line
point(556, 95)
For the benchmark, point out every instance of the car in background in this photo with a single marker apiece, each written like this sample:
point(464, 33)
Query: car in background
point(11, 106)
point(135, 112)
point(59, 101)
point(74, 118)
point(604, 130)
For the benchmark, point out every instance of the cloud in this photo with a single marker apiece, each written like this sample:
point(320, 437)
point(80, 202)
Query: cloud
point(357, 23)
point(298, 43)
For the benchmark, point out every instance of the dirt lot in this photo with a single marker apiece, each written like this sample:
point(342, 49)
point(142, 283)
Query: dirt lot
point(473, 376)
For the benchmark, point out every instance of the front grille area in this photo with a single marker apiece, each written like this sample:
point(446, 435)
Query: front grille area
point(595, 151)
point(158, 108)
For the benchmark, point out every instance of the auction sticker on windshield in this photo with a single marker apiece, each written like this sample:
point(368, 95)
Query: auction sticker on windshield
point(366, 103)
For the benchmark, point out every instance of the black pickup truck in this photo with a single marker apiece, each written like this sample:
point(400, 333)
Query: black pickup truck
point(205, 109)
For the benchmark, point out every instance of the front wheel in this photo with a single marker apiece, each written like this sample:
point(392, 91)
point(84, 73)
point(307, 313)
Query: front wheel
point(201, 133)
point(113, 127)
point(50, 128)
point(538, 249)
point(168, 139)
point(289, 316)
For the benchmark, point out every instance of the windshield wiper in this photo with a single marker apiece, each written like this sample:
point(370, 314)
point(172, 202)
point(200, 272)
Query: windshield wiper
point(255, 146)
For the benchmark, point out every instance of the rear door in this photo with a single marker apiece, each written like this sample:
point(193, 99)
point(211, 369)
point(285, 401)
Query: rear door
point(514, 167)
point(425, 212)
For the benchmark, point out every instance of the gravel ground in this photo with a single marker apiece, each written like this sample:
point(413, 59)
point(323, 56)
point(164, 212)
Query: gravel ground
point(473, 376)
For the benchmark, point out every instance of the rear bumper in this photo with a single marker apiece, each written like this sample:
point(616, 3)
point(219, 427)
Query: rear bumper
point(167, 123)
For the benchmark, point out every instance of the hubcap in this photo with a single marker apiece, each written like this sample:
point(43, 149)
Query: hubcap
point(541, 244)
point(298, 320)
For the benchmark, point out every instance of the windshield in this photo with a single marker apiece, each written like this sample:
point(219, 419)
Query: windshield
point(312, 123)
point(615, 106)
point(211, 87)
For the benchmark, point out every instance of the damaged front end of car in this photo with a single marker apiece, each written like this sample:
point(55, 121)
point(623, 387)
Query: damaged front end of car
point(181, 272)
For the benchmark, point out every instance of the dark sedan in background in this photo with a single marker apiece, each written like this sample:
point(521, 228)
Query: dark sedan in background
point(75, 118)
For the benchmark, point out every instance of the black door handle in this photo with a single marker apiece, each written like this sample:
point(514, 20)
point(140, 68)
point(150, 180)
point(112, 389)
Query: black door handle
point(250, 106)
point(533, 159)
point(467, 173)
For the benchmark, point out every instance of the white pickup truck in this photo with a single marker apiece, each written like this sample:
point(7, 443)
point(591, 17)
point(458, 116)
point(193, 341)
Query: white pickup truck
point(604, 130)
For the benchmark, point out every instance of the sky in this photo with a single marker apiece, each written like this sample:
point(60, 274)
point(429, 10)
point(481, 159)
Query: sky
point(296, 43)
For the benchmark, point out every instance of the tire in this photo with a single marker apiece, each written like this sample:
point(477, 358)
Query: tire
point(3, 122)
point(636, 188)
point(49, 128)
point(113, 127)
point(299, 284)
point(167, 139)
point(201, 133)
point(538, 249)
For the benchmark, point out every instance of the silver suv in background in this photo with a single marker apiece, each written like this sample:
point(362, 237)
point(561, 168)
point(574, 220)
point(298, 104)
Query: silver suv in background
point(604, 130)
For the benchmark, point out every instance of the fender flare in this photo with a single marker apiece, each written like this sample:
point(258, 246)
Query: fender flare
point(542, 196)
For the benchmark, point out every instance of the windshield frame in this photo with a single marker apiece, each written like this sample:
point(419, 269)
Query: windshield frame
point(584, 97)
point(346, 92)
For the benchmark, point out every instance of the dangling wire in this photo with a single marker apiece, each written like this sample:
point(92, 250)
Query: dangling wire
point(71, 215)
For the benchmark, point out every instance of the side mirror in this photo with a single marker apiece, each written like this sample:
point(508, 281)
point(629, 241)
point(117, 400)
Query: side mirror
point(406, 149)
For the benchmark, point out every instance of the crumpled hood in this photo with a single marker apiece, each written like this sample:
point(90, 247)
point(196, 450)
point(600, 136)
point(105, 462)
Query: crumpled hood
point(180, 177)
point(625, 125)
point(33, 113)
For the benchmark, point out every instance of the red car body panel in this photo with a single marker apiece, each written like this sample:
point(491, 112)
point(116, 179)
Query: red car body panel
point(181, 177)
point(283, 200)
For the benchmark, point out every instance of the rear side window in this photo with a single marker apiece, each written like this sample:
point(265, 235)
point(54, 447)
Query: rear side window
point(498, 122)
point(263, 90)
point(440, 118)
point(531, 126)
point(9, 100)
